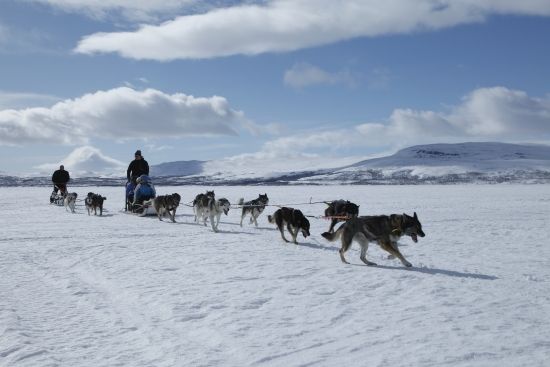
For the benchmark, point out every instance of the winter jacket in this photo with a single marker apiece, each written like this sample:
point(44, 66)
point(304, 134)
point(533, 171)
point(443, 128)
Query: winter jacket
point(137, 168)
point(144, 191)
point(60, 177)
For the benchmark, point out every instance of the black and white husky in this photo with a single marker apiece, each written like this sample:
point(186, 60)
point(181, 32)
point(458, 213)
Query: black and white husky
point(214, 211)
point(294, 220)
point(200, 204)
point(70, 201)
point(93, 202)
point(254, 208)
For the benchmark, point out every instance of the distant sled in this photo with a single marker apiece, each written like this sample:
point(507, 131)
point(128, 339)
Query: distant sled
point(58, 198)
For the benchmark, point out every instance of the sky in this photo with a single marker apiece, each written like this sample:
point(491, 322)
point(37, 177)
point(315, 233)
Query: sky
point(86, 83)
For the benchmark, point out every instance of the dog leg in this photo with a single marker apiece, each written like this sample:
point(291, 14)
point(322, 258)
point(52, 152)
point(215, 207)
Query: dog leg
point(364, 243)
point(212, 222)
point(341, 252)
point(173, 216)
point(281, 229)
point(255, 221)
point(387, 245)
point(347, 240)
point(294, 236)
point(332, 224)
point(292, 233)
point(218, 217)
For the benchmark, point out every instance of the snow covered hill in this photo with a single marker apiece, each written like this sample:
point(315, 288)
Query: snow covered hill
point(449, 163)
point(421, 164)
point(433, 163)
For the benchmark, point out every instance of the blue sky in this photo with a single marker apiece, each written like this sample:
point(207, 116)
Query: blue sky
point(257, 81)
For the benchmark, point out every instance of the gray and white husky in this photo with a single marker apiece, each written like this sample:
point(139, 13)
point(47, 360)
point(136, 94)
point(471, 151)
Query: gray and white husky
point(200, 204)
point(254, 208)
point(214, 211)
point(166, 204)
point(70, 201)
point(382, 229)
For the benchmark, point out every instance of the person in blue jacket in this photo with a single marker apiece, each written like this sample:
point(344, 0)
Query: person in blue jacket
point(144, 190)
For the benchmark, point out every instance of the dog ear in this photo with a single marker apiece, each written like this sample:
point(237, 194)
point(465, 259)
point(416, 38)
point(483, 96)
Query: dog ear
point(415, 216)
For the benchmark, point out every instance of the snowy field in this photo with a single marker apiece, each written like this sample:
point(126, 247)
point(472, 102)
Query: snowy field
point(120, 290)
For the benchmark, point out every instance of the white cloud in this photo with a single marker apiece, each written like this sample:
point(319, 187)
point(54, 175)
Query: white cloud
point(286, 25)
point(485, 114)
point(496, 113)
point(303, 75)
point(87, 160)
point(122, 113)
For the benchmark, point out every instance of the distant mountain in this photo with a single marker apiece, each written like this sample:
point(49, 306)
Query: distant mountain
point(421, 164)
point(449, 163)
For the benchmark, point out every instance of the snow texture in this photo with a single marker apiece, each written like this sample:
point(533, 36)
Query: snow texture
point(120, 290)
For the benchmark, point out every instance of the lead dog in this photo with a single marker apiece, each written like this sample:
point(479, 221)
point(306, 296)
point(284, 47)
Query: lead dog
point(70, 201)
point(94, 201)
point(200, 204)
point(254, 208)
point(339, 211)
point(383, 229)
point(294, 220)
point(166, 204)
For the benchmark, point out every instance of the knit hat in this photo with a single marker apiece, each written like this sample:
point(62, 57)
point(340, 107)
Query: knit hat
point(138, 152)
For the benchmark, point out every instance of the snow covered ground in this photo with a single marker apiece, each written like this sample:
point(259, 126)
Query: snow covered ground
point(119, 290)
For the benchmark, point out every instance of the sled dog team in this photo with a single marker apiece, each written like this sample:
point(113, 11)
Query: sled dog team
point(385, 230)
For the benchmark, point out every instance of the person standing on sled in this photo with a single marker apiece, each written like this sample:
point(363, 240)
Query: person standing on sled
point(137, 167)
point(59, 180)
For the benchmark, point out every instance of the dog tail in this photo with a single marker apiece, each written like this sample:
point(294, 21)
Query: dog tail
point(271, 219)
point(241, 201)
point(334, 235)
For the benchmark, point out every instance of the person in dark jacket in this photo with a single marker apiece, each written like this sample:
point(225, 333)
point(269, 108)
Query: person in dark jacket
point(60, 179)
point(137, 167)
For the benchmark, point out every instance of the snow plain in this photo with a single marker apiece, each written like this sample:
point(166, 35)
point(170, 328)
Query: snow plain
point(120, 290)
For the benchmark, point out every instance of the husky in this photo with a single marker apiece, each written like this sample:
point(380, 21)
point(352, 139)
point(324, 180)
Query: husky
point(254, 208)
point(70, 201)
point(166, 204)
point(383, 229)
point(200, 204)
point(214, 210)
point(342, 210)
point(94, 201)
point(295, 222)
point(58, 198)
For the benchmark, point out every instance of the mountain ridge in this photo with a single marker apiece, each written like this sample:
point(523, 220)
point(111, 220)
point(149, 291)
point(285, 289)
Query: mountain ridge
point(470, 162)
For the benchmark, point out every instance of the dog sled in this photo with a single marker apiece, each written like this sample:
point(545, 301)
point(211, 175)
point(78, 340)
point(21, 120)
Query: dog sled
point(57, 198)
point(142, 204)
